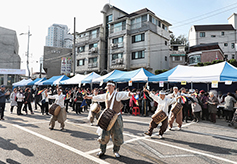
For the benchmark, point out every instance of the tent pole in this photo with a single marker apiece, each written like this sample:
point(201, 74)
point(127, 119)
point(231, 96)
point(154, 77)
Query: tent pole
point(191, 85)
point(207, 87)
point(168, 85)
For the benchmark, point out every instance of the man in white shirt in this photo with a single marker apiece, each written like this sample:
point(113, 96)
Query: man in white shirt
point(116, 131)
point(163, 104)
point(62, 116)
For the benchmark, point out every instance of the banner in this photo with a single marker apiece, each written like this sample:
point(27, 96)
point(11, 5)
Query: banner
point(13, 71)
point(161, 83)
point(66, 63)
point(214, 84)
point(228, 82)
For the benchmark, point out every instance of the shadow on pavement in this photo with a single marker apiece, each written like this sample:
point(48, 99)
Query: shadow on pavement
point(204, 147)
point(227, 138)
point(2, 126)
point(1, 162)
point(124, 159)
point(79, 134)
point(7, 145)
point(11, 161)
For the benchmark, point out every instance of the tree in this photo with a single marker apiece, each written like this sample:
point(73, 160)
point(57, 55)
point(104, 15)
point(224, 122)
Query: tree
point(181, 39)
point(159, 71)
point(233, 62)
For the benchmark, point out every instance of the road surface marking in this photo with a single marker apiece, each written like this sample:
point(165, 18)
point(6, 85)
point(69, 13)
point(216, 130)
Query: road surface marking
point(192, 151)
point(64, 146)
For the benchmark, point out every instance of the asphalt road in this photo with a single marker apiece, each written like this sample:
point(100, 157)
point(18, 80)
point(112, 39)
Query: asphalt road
point(26, 139)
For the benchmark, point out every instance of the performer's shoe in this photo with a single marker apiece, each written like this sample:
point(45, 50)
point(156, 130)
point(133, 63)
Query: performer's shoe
point(170, 128)
point(147, 133)
point(50, 128)
point(100, 154)
point(116, 155)
point(91, 124)
point(161, 137)
point(179, 128)
point(62, 129)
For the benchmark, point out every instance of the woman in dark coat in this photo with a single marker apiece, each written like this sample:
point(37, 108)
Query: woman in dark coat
point(212, 106)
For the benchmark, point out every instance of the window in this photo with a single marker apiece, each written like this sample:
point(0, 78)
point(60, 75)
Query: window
point(232, 45)
point(165, 58)
point(138, 55)
point(166, 43)
point(226, 57)
point(136, 23)
point(93, 60)
point(138, 38)
point(194, 59)
point(213, 36)
point(93, 45)
point(177, 58)
point(80, 62)
point(225, 44)
point(81, 49)
point(117, 56)
point(119, 26)
point(222, 33)
point(144, 18)
point(94, 34)
point(233, 56)
point(109, 18)
point(163, 26)
point(118, 42)
point(202, 34)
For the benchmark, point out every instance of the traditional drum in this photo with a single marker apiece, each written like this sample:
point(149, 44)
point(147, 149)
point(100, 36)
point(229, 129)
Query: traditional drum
point(54, 109)
point(159, 116)
point(107, 119)
point(177, 108)
point(95, 108)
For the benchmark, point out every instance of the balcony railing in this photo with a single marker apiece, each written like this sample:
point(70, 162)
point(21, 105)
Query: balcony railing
point(92, 65)
point(116, 45)
point(118, 61)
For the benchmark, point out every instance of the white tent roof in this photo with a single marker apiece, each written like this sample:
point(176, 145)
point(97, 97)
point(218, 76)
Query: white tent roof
point(197, 74)
point(74, 80)
point(101, 78)
point(22, 82)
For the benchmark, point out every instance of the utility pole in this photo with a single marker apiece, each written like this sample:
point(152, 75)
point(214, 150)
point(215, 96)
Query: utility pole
point(27, 54)
point(74, 47)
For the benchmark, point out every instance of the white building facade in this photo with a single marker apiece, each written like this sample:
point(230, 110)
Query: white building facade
point(126, 41)
point(58, 36)
point(223, 34)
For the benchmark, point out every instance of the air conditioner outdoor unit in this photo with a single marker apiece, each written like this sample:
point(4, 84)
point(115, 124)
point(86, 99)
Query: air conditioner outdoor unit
point(90, 65)
point(120, 61)
point(113, 62)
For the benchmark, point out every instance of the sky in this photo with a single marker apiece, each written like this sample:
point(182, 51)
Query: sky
point(19, 15)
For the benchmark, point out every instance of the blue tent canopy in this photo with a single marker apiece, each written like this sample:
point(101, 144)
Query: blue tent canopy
point(54, 80)
point(89, 78)
point(115, 75)
point(37, 80)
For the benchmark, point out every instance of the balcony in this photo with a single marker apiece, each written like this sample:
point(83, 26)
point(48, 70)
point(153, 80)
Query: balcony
point(118, 61)
point(92, 65)
point(116, 45)
point(93, 50)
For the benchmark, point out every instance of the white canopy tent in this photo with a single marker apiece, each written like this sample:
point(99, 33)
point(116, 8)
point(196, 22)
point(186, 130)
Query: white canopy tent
point(22, 82)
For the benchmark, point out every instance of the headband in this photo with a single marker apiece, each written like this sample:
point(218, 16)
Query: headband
point(111, 84)
point(175, 87)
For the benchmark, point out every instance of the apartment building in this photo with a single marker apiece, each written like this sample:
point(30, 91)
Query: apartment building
point(90, 50)
point(177, 55)
point(223, 34)
point(125, 42)
point(58, 36)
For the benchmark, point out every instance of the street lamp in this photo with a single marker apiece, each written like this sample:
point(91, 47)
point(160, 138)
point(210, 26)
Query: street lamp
point(27, 63)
